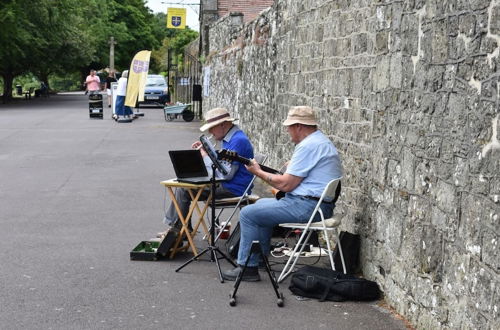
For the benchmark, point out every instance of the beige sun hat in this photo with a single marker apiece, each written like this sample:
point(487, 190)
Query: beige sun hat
point(301, 115)
point(214, 117)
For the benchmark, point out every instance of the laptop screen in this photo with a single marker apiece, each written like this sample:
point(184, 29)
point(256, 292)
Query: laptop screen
point(188, 163)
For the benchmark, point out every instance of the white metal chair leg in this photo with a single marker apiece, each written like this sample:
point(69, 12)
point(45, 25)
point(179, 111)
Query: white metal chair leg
point(226, 222)
point(295, 255)
point(341, 253)
point(330, 252)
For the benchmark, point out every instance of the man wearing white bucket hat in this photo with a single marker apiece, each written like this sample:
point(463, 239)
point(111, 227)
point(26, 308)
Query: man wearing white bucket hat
point(315, 162)
point(219, 123)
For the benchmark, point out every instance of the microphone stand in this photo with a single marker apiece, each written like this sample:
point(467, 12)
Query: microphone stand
point(212, 248)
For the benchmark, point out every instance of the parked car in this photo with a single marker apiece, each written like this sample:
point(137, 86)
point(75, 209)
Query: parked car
point(156, 91)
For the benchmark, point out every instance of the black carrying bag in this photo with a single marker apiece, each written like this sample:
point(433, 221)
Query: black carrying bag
point(326, 284)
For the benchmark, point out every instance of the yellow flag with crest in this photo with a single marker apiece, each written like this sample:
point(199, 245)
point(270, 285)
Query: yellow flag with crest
point(137, 76)
point(176, 18)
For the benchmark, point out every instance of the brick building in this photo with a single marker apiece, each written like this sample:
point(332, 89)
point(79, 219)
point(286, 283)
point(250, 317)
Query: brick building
point(249, 8)
point(243, 11)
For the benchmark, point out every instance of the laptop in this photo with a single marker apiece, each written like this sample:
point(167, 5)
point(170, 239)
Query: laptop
point(189, 166)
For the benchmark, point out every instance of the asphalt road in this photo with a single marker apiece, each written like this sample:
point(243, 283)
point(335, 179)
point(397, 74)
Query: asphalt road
point(77, 194)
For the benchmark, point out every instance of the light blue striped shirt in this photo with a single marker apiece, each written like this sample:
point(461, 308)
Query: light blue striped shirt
point(317, 161)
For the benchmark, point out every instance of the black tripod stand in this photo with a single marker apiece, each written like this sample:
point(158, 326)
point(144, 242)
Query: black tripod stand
point(256, 249)
point(211, 245)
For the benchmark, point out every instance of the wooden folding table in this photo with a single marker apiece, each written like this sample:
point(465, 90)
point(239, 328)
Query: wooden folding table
point(195, 191)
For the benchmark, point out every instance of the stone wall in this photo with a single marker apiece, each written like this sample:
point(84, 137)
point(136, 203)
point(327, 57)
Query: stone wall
point(409, 93)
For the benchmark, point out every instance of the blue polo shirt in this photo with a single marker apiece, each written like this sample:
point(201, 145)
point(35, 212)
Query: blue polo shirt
point(236, 140)
point(317, 161)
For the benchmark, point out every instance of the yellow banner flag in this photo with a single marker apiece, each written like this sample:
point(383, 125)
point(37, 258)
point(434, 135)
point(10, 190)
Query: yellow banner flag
point(137, 76)
point(176, 18)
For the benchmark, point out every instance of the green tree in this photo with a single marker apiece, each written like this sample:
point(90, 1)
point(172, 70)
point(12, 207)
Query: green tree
point(132, 26)
point(16, 40)
point(66, 36)
point(175, 43)
point(66, 43)
point(41, 38)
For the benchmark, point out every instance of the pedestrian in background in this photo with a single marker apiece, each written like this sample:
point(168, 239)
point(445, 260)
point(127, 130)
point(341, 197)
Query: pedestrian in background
point(93, 83)
point(110, 79)
point(120, 108)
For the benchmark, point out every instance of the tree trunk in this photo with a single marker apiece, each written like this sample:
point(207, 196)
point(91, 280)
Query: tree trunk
point(8, 78)
point(83, 76)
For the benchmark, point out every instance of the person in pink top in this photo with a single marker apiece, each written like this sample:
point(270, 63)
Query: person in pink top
point(93, 83)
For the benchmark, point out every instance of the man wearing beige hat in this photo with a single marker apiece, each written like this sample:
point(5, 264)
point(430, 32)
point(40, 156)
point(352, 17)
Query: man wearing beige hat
point(315, 162)
point(219, 123)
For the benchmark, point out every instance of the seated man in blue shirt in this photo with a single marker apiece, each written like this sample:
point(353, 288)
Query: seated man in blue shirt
point(315, 162)
point(220, 124)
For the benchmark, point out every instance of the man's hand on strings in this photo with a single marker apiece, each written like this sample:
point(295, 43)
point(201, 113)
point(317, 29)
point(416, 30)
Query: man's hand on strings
point(253, 167)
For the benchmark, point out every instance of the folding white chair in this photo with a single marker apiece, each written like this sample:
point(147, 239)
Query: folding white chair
point(325, 225)
point(237, 203)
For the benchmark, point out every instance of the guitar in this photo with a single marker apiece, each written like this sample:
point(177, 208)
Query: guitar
point(233, 155)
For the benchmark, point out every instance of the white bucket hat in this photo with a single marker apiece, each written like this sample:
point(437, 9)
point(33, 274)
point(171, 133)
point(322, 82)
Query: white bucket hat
point(301, 115)
point(214, 117)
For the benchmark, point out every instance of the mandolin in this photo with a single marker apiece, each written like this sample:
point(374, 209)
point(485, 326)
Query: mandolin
point(229, 155)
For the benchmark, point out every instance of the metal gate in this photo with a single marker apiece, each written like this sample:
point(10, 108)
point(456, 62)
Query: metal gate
point(187, 84)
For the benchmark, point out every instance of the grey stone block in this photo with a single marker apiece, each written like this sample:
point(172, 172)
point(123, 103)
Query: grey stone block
point(431, 254)
point(382, 42)
point(490, 242)
point(396, 71)
point(439, 41)
point(495, 20)
point(479, 4)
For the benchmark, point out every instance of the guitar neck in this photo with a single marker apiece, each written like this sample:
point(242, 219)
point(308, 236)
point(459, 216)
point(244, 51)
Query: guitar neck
point(265, 168)
point(269, 170)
